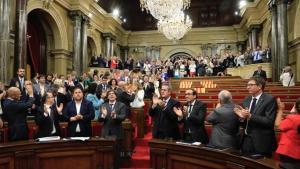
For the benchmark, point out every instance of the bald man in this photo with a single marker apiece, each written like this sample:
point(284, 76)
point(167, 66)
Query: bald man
point(225, 123)
point(15, 112)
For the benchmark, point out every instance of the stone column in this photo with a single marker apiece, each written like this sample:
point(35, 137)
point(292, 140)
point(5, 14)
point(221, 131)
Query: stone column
point(112, 43)
point(124, 52)
point(274, 48)
point(84, 54)
point(20, 35)
point(77, 18)
point(107, 37)
point(254, 38)
point(62, 61)
point(4, 39)
point(282, 33)
point(250, 40)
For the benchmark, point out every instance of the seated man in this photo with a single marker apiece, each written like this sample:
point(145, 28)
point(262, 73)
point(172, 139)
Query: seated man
point(193, 116)
point(112, 114)
point(48, 116)
point(225, 123)
point(16, 111)
point(79, 114)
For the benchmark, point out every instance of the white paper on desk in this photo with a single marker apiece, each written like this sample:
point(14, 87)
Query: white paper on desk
point(196, 143)
point(52, 138)
point(79, 138)
point(183, 143)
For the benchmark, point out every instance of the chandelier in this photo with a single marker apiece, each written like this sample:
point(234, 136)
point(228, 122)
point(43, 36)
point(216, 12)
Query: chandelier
point(161, 9)
point(176, 27)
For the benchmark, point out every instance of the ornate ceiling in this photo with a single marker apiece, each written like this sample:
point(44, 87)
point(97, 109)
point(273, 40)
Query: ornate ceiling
point(204, 13)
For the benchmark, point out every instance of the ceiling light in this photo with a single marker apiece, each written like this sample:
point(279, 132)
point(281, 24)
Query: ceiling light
point(242, 3)
point(116, 12)
point(90, 15)
point(236, 13)
point(124, 20)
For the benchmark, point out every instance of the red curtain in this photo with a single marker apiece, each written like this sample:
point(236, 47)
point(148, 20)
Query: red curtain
point(34, 42)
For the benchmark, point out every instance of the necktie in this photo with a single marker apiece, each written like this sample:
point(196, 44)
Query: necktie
point(251, 111)
point(190, 110)
point(256, 56)
point(111, 106)
point(253, 105)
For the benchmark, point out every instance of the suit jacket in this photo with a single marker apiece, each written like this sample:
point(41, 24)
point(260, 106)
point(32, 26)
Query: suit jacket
point(88, 113)
point(125, 98)
point(225, 127)
point(262, 74)
point(15, 113)
point(261, 124)
point(165, 121)
point(46, 123)
point(194, 123)
point(149, 90)
point(113, 127)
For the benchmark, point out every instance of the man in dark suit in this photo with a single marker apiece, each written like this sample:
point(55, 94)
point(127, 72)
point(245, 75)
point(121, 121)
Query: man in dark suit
point(16, 111)
point(225, 123)
point(125, 95)
point(164, 118)
point(148, 88)
point(193, 116)
point(112, 114)
point(79, 112)
point(260, 73)
point(103, 86)
point(259, 115)
point(48, 117)
point(19, 82)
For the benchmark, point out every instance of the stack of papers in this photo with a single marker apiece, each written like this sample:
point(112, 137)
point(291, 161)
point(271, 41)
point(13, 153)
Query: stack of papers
point(77, 138)
point(184, 143)
point(45, 139)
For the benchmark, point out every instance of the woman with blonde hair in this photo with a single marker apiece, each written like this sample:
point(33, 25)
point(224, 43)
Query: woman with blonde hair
point(139, 97)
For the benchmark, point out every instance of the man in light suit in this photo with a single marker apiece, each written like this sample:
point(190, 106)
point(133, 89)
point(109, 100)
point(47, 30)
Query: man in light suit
point(79, 114)
point(259, 115)
point(16, 111)
point(112, 114)
point(260, 73)
point(163, 115)
point(193, 116)
point(225, 123)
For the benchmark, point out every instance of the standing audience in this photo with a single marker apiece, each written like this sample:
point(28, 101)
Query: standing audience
point(287, 77)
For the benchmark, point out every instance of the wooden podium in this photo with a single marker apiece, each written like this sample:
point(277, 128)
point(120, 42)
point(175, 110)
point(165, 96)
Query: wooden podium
point(90, 154)
point(169, 155)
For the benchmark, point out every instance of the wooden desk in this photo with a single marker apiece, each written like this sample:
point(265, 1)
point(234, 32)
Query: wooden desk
point(169, 155)
point(91, 154)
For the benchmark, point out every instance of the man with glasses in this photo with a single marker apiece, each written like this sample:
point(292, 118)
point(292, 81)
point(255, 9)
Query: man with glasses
point(193, 116)
point(112, 113)
point(258, 113)
point(164, 118)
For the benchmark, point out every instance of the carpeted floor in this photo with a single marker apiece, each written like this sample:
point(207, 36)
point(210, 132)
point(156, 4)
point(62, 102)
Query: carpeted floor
point(141, 155)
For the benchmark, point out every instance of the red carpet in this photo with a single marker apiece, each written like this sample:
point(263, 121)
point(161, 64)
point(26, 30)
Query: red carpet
point(141, 155)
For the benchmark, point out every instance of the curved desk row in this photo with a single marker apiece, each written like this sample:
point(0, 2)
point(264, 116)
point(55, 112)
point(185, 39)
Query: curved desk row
point(90, 154)
point(169, 155)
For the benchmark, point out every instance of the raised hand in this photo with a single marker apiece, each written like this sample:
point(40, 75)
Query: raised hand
point(178, 111)
point(59, 109)
point(104, 111)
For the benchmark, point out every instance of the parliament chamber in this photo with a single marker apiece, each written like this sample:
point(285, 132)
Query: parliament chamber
point(140, 84)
